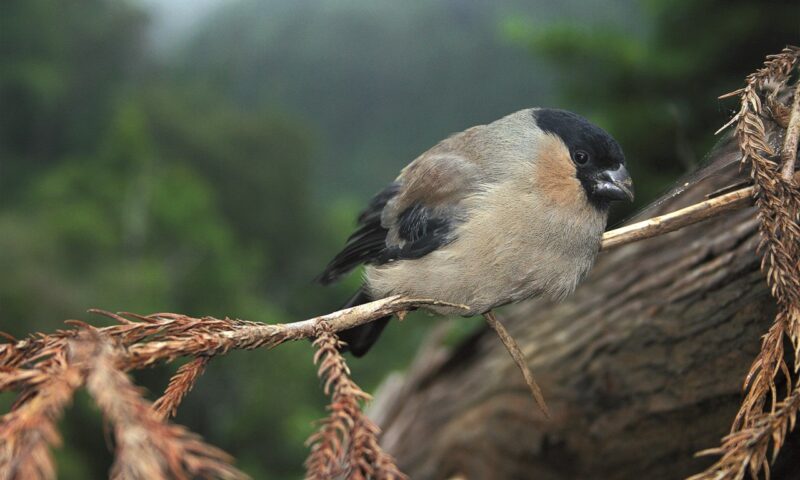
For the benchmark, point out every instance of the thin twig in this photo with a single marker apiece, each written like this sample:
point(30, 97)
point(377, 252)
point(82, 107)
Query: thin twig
point(670, 222)
point(678, 219)
point(361, 314)
point(519, 359)
point(789, 152)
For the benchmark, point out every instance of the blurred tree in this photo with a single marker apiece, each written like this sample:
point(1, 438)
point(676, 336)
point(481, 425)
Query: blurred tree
point(383, 80)
point(259, 163)
point(60, 65)
point(121, 189)
point(657, 92)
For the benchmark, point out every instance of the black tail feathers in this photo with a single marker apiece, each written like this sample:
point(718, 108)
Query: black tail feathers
point(361, 338)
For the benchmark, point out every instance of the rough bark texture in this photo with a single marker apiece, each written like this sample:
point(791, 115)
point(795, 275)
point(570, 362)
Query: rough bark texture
point(642, 367)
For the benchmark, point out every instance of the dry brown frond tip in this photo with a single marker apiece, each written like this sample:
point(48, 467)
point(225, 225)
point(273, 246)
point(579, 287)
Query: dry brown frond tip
point(763, 418)
point(346, 444)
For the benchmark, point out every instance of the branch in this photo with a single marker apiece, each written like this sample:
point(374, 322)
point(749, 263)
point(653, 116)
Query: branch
point(653, 227)
point(166, 336)
point(47, 369)
point(678, 219)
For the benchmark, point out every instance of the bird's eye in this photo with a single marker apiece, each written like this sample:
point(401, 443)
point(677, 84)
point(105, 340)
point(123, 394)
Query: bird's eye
point(581, 157)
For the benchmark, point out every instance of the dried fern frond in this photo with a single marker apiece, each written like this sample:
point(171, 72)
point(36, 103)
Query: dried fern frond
point(47, 369)
point(367, 458)
point(179, 386)
point(746, 451)
point(27, 432)
point(762, 418)
point(760, 380)
point(346, 444)
point(778, 202)
point(147, 447)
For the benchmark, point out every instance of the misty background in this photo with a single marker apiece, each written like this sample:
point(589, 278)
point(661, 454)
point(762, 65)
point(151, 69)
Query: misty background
point(208, 157)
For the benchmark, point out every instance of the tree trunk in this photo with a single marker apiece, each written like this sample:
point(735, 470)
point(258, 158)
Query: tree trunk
point(642, 367)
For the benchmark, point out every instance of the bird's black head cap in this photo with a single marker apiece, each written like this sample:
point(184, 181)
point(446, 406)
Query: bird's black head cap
point(594, 152)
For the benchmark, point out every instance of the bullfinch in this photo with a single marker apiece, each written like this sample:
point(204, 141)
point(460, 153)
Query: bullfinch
point(492, 215)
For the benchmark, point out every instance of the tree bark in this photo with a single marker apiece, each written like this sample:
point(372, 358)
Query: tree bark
point(641, 368)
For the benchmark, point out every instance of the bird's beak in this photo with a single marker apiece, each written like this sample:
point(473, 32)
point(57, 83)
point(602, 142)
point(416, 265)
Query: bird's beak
point(614, 184)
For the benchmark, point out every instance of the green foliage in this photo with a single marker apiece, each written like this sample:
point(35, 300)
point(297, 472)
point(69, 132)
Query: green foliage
point(131, 193)
point(657, 91)
point(61, 63)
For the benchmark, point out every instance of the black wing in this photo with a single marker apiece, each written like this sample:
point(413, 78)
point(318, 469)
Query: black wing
point(367, 243)
point(411, 217)
point(420, 230)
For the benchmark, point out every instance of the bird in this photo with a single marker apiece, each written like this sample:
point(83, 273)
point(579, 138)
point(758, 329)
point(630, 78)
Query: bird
point(492, 215)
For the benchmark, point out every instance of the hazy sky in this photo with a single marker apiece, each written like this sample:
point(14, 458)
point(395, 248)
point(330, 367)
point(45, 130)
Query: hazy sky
point(172, 19)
